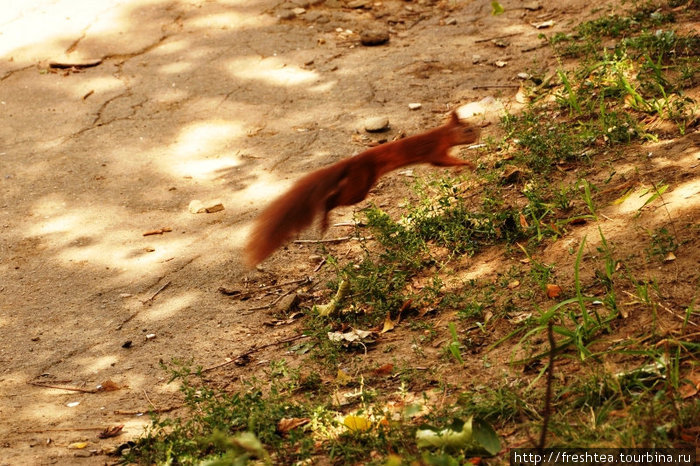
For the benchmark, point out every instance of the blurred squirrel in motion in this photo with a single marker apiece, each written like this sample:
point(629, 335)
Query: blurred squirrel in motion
point(348, 182)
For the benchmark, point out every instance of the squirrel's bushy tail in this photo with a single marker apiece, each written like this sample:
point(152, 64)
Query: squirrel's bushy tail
point(291, 213)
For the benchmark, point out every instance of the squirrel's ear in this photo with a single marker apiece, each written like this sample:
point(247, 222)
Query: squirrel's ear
point(454, 118)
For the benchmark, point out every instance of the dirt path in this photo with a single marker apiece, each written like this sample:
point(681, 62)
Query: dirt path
point(189, 100)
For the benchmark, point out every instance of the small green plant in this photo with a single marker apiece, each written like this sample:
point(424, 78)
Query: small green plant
point(662, 244)
point(454, 345)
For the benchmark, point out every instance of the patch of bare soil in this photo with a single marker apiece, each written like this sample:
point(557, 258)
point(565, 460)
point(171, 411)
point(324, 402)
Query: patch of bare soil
point(117, 115)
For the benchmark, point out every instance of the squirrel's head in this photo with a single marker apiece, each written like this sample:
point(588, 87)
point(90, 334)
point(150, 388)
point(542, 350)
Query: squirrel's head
point(462, 132)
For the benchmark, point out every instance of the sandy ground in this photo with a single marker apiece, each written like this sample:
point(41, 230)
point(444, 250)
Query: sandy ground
point(218, 101)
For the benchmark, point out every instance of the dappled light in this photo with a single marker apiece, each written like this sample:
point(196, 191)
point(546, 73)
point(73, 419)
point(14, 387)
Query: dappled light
point(121, 118)
point(172, 307)
point(271, 70)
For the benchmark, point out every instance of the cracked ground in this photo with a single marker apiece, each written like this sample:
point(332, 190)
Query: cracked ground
point(116, 114)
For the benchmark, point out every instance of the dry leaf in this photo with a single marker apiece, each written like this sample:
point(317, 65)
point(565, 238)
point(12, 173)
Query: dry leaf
point(514, 284)
point(78, 445)
point(108, 386)
point(112, 431)
point(523, 221)
point(543, 25)
point(388, 324)
point(290, 423)
point(690, 386)
point(553, 290)
point(670, 257)
point(386, 369)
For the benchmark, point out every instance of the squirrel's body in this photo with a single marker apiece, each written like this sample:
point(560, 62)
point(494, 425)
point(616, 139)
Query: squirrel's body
point(349, 181)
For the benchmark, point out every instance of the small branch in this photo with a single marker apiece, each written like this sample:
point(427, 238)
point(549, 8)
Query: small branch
point(143, 411)
point(159, 231)
point(330, 240)
point(62, 429)
point(498, 86)
point(239, 294)
point(253, 350)
point(63, 387)
point(478, 41)
point(157, 293)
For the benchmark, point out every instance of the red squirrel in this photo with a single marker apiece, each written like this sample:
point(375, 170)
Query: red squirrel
point(348, 182)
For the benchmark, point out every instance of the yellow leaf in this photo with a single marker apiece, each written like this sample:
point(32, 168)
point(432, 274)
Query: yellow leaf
point(388, 324)
point(78, 445)
point(357, 423)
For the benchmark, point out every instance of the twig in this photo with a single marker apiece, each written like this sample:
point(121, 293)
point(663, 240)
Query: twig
point(63, 387)
point(149, 400)
point(317, 241)
point(62, 429)
point(238, 294)
point(157, 292)
point(333, 240)
point(267, 306)
point(320, 264)
point(548, 392)
point(497, 86)
point(253, 350)
point(143, 411)
point(159, 231)
point(478, 41)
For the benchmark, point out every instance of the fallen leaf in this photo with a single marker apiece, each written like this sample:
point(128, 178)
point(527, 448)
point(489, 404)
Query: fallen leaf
point(108, 386)
point(388, 324)
point(523, 221)
point(78, 445)
point(112, 431)
point(496, 9)
point(690, 386)
point(670, 257)
point(386, 369)
point(357, 423)
point(543, 25)
point(514, 284)
point(553, 290)
point(290, 423)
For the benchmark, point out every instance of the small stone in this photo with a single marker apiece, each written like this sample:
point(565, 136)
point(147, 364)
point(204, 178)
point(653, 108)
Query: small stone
point(451, 21)
point(476, 59)
point(198, 207)
point(355, 4)
point(524, 76)
point(500, 63)
point(374, 37)
point(376, 124)
point(286, 304)
point(313, 15)
point(286, 14)
point(414, 106)
point(299, 11)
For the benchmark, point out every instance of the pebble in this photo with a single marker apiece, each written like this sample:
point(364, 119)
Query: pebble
point(286, 14)
point(451, 21)
point(359, 4)
point(299, 11)
point(374, 37)
point(476, 59)
point(414, 106)
point(376, 124)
